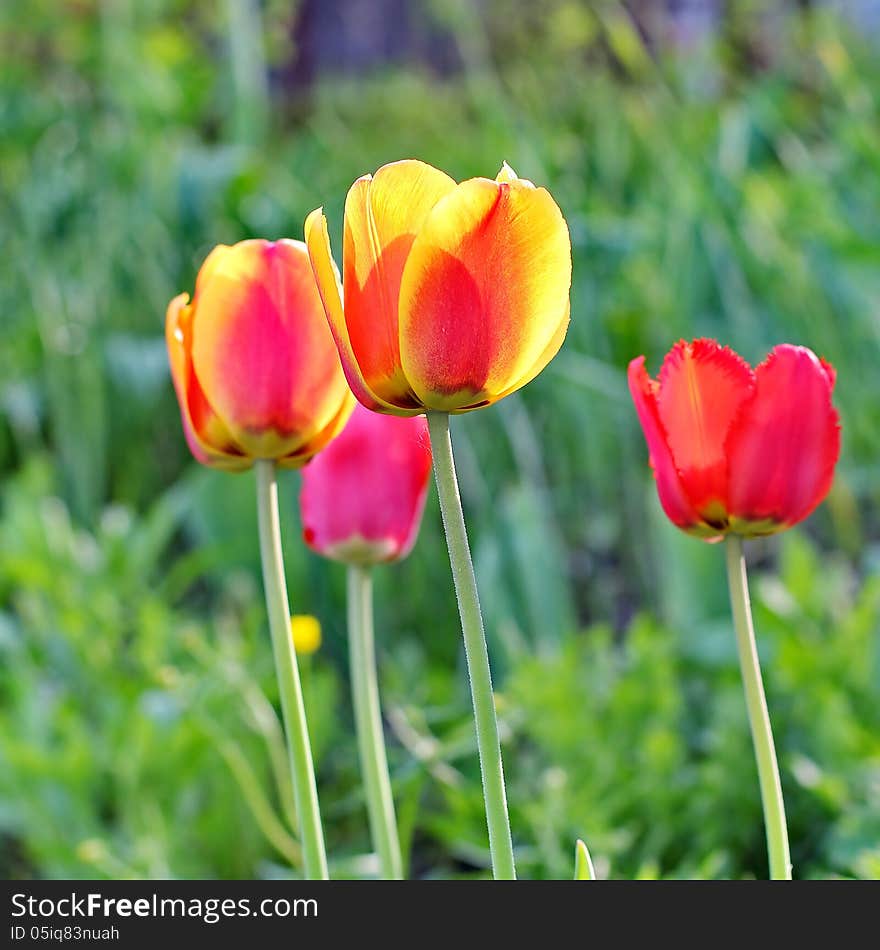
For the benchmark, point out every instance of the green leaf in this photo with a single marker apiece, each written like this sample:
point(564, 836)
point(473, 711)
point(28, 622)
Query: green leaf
point(583, 866)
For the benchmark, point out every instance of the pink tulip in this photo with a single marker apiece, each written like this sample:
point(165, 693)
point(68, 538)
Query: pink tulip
point(363, 496)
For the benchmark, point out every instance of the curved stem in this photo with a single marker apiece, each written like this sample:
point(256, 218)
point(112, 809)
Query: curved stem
point(759, 718)
point(292, 706)
point(476, 652)
point(368, 722)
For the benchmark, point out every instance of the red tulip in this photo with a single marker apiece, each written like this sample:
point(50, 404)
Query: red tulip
point(736, 450)
point(254, 365)
point(362, 498)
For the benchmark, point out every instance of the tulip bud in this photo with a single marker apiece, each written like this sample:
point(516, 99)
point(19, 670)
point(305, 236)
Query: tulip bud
point(255, 369)
point(362, 498)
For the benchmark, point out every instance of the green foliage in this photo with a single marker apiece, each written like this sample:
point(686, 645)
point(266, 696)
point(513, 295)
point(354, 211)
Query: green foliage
point(138, 734)
point(135, 738)
point(642, 743)
point(659, 770)
point(704, 196)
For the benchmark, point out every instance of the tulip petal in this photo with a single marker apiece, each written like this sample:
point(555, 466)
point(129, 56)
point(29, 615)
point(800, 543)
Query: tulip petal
point(321, 439)
point(784, 446)
point(327, 278)
point(830, 372)
point(673, 497)
point(484, 292)
point(703, 386)
point(262, 350)
point(550, 351)
point(208, 438)
point(370, 305)
point(383, 214)
point(506, 173)
point(222, 254)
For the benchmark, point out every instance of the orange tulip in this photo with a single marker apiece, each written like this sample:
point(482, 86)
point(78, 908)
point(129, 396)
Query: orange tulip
point(453, 295)
point(254, 366)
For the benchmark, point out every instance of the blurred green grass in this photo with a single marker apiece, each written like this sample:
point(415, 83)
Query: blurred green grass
point(704, 196)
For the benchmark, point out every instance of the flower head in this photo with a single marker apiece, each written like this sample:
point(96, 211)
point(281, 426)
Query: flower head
point(737, 450)
point(453, 295)
point(305, 631)
point(362, 498)
point(254, 366)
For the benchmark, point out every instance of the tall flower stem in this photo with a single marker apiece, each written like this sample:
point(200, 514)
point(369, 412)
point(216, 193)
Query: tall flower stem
point(368, 723)
point(476, 652)
point(759, 718)
point(292, 706)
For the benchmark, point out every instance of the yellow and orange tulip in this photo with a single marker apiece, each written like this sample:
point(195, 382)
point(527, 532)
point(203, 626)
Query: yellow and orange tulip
point(254, 365)
point(453, 295)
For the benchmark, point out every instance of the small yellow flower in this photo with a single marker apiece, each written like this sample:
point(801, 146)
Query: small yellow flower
point(306, 632)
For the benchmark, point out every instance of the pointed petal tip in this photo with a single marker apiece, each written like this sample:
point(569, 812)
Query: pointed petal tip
point(636, 365)
point(314, 219)
point(172, 315)
point(641, 383)
point(506, 173)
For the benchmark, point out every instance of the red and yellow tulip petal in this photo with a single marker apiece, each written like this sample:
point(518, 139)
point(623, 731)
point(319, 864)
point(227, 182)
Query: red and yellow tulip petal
point(329, 287)
point(785, 445)
point(673, 497)
point(383, 214)
point(215, 260)
point(262, 350)
point(550, 351)
point(327, 279)
point(370, 301)
point(208, 438)
point(484, 291)
point(320, 440)
point(702, 388)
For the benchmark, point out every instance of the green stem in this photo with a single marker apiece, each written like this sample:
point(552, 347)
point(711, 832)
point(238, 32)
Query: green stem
point(368, 721)
point(759, 718)
point(292, 705)
point(476, 652)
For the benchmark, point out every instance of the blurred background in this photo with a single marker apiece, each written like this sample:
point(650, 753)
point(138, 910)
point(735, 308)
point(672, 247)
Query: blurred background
point(719, 167)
